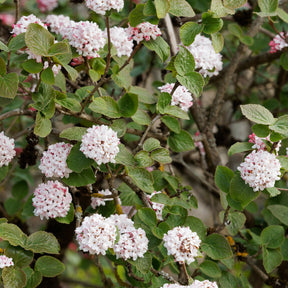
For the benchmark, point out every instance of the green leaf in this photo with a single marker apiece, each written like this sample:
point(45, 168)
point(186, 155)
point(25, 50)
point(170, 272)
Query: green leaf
point(219, 10)
point(8, 85)
point(68, 218)
point(233, 4)
point(128, 196)
point(20, 189)
point(21, 257)
point(123, 78)
point(161, 155)
point(184, 62)
point(272, 258)
point(151, 144)
point(284, 61)
point(144, 264)
point(124, 157)
point(268, 6)
point(177, 112)
point(43, 125)
point(148, 216)
point(235, 29)
point(211, 23)
point(94, 75)
point(34, 278)
point(17, 42)
point(105, 105)
point(73, 74)
point(223, 177)
point(180, 142)
point(162, 8)
point(128, 104)
point(84, 178)
point(160, 46)
point(143, 159)
point(196, 225)
point(160, 230)
point(217, 247)
point(284, 249)
point(3, 172)
point(13, 277)
point(272, 236)
point(192, 81)
point(210, 269)
point(181, 8)
point(257, 114)
point(3, 70)
point(119, 126)
point(3, 47)
point(149, 9)
point(144, 95)
point(47, 76)
point(13, 234)
point(217, 41)
point(261, 130)
point(240, 147)
point(49, 266)
point(70, 104)
point(28, 208)
point(282, 14)
point(137, 16)
point(272, 191)
point(188, 32)
point(280, 212)
point(32, 66)
point(141, 117)
point(172, 123)
point(12, 205)
point(281, 125)
point(163, 101)
point(73, 133)
point(42, 242)
point(236, 221)
point(38, 39)
point(142, 178)
point(59, 48)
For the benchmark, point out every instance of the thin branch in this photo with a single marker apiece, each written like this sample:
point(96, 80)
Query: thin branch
point(171, 34)
point(17, 10)
point(164, 275)
point(250, 262)
point(16, 112)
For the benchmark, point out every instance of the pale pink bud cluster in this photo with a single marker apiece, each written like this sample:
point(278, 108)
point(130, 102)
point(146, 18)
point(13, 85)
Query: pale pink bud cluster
point(143, 31)
point(5, 261)
point(98, 201)
point(23, 22)
point(100, 143)
point(51, 200)
point(259, 144)
point(7, 152)
point(199, 145)
point(157, 207)
point(120, 41)
point(204, 284)
point(101, 6)
point(47, 5)
point(260, 170)
point(53, 161)
point(206, 59)
point(182, 244)
point(59, 24)
point(278, 42)
point(181, 96)
point(55, 68)
point(7, 19)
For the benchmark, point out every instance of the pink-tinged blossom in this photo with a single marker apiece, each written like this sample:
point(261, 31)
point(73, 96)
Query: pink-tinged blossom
point(182, 244)
point(23, 22)
point(259, 144)
point(203, 284)
point(260, 170)
point(278, 42)
point(199, 144)
point(206, 59)
point(60, 24)
point(51, 200)
point(100, 143)
point(98, 201)
point(181, 96)
point(96, 234)
point(144, 31)
point(122, 221)
point(5, 261)
point(55, 68)
point(77, 61)
point(7, 152)
point(157, 207)
point(7, 19)
point(120, 41)
point(53, 161)
point(47, 5)
point(101, 6)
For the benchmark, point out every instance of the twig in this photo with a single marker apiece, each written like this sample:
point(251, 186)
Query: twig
point(225, 220)
point(16, 112)
point(164, 275)
point(17, 10)
point(171, 34)
point(250, 262)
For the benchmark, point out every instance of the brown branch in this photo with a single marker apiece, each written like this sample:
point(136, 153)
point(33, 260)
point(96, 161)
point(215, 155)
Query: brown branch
point(164, 275)
point(16, 112)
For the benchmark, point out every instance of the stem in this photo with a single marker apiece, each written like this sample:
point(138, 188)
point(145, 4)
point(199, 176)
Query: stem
point(16, 112)
point(17, 10)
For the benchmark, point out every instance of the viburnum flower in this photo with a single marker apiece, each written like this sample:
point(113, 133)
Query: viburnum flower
point(260, 170)
point(7, 152)
point(175, 286)
point(60, 24)
point(5, 261)
point(182, 243)
point(157, 207)
point(47, 5)
point(143, 31)
point(259, 144)
point(120, 41)
point(203, 284)
point(53, 161)
point(122, 221)
point(7, 19)
point(206, 59)
point(101, 6)
point(55, 68)
point(278, 42)
point(181, 96)
point(98, 201)
point(51, 200)
point(100, 143)
point(96, 234)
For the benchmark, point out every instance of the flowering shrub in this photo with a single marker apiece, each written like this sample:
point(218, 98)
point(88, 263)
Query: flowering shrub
point(105, 102)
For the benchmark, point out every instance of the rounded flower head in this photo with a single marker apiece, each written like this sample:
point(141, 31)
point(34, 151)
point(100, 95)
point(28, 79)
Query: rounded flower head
point(101, 6)
point(53, 161)
point(100, 143)
point(23, 22)
point(5, 261)
point(96, 234)
point(51, 200)
point(260, 170)
point(98, 201)
point(47, 5)
point(157, 207)
point(182, 243)
point(181, 96)
point(203, 284)
point(7, 151)
point(278, 42)
point(174, 286)
point(59, 24)
point(143, 31)
point(206, 59)
point(122, 221)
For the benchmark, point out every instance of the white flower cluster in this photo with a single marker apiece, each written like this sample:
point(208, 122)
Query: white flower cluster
point(182, 243)
point(51, 200)
point(259, 144)
point(59, 24)
point(143, 31)
point(120, 41)
point(278, 42)
point(260, 170)
point(53, 161)
point(100, 143)
point(157, 207)
point(195, 284)
point(7, 152)
point(206, 59)
point(101, 6)
point(23, 22)
point(5, 261)
point(47, 5)
point(55, 68)
point(98, 201)
point(181, 96)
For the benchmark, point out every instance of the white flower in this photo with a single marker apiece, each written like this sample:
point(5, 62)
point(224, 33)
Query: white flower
point(23, 22)
point(100, 143)
point(203, 284)
point(206, 59)
point(101, 6)
point(181, 96)
point(55, 68)
point(260, 170)
point(51, 200)
point(53, 161)
point(47, 5)
point(122, 221)
point(157, 207)
point(96, 234)
point(98, 201)
point(5, 261)
point(174, 286)
point(60, 24)
point(278, 42)
point(182, 243)
point(7, 152)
